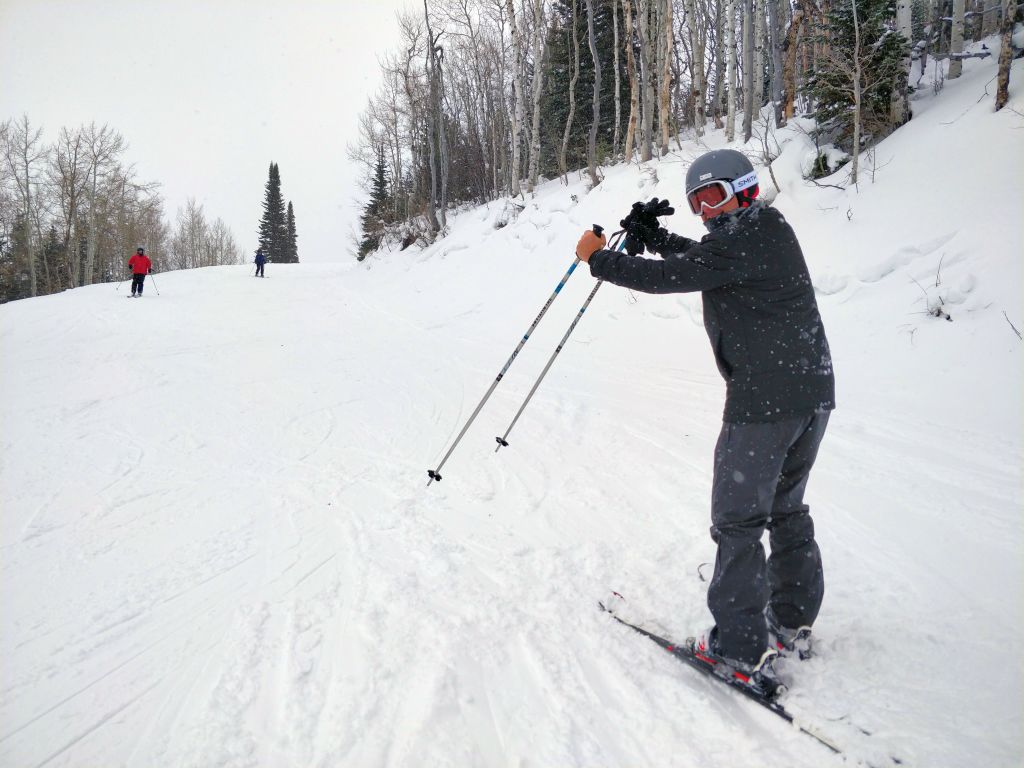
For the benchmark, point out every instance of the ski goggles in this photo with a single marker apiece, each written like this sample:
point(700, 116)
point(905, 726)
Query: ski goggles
point(717, 193)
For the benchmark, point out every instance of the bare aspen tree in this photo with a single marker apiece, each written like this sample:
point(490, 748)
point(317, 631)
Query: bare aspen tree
point(776, 35)
point(679, 102)
point(596, 103)
point(747, 9)
point(23, 149)
point(644, 27)
point(1005, 53)
point(539, 43)
point(666, 40)
point(562, 161)
point(956, 40)
point(517, 87)
point(730, 70)
point(857, 93)
point(189, 235)
point(698, 38)
point(634, 88)
point(618, 80)
point(900, 105)
point(102, 147)
point(471, 82)
point(760, 35)
point(437, 54)
point(67, 177)
point(435, 130)
point(789, 63)
point(718, 106)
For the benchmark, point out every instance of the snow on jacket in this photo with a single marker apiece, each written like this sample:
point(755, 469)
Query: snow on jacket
point(759, 310)
point(140, 265)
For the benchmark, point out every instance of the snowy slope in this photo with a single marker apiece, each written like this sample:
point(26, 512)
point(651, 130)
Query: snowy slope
point(218, 547)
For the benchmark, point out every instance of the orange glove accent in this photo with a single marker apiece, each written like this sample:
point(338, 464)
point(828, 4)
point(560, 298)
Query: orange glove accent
point(589, 244)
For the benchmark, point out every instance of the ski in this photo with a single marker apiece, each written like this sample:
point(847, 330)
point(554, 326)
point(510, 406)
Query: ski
point(685, 655)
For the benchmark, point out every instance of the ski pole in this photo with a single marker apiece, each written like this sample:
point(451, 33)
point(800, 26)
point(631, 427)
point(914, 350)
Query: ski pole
point(435, 474)
point(153, 281)
point(503, 441)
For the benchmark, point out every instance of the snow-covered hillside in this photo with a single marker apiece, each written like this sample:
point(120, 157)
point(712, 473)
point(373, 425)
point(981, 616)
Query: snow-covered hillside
point(218, 547)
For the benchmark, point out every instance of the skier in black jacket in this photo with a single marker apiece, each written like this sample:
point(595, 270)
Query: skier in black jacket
point(769, 343)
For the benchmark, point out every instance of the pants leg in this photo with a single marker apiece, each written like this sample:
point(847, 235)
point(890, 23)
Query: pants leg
point(136, 284)
point(795, 574)
point(749, 459)
point(142, 279)
point(259, 270)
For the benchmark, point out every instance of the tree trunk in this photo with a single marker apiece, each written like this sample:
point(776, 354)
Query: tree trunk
point(956, 40)
point(431, 128)
point(647, 75)
point(634, 88)
point(618, 80)
point(442, 145)
point(25, 143)
point(777, 36)
point(718, 106)
point(90, 233)
point(562, 162)
point(747, 8)
point(697, 41)
point(1005, 54)
point(899, 105)
point(539, 38)
point(592, 139)
point(517, 87)
point(730, 70)
point(664, 101)
point(760, 34)
point(857, 80)
point(789, 65)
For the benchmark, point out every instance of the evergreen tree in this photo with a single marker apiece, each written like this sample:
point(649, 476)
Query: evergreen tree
point(375, 216)
point(557, 74)
point(292, 238)
point(878, 59)
point(273, 231)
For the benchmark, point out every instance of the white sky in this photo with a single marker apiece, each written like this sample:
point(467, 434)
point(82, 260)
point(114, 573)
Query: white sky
point(207, 94)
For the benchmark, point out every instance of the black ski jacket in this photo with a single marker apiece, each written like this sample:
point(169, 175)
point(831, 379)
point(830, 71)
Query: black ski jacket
point(759, 310)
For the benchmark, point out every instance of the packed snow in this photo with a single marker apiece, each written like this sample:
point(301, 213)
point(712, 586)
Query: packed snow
point(219, 547)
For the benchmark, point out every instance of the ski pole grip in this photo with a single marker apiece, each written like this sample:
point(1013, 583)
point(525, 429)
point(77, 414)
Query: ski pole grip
point(598, 229)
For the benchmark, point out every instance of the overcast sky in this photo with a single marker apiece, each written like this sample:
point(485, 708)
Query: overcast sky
point(208, 93)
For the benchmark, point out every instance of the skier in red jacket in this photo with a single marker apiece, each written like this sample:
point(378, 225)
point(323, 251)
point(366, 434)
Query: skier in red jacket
point(140, 266)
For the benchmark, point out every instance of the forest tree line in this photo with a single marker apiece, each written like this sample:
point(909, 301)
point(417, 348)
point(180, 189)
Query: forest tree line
point(484, 98)
point(73, 210)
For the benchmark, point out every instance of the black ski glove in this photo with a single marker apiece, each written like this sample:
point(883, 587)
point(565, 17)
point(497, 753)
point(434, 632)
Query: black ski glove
point(656, 209)
point(632, 217)
point(647, 214)
point(641, 225)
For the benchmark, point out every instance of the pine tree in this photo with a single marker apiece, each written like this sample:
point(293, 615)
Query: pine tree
point(557, 75)
point(273, 232)
point(375, 216)
point(835, 86)
point(292, 240)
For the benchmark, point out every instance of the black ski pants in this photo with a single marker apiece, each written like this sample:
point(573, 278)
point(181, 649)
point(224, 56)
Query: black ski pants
point(259, 269)
point(137, 281)
point(761, 472)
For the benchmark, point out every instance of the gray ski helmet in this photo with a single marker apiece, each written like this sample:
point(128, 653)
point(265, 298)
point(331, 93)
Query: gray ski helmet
point(723, 165)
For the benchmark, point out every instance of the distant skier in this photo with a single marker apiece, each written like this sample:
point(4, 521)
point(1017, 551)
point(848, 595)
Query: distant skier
point(769, 343)
point(260, 261)
point(140, 265)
